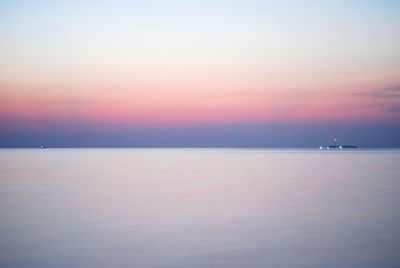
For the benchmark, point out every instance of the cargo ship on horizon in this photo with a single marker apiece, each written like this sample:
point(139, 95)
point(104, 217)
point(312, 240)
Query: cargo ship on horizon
point(336, 146)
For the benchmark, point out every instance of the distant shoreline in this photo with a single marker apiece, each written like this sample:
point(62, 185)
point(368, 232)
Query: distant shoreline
point(205, 148)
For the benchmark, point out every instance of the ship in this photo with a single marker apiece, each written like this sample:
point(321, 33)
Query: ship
point(337, 146)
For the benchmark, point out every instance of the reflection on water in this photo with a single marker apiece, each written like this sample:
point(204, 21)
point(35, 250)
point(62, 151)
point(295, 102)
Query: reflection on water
point(199, 208)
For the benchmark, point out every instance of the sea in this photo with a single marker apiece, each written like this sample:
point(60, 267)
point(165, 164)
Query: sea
point(221, 208)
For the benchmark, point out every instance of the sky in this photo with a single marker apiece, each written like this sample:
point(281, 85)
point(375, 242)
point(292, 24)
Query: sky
point(199, 73)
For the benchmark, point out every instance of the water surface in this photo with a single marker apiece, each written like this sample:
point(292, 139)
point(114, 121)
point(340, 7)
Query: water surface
point(199, 208)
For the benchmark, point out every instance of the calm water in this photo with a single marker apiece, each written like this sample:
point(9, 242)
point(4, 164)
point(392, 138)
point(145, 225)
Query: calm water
point(199, 208)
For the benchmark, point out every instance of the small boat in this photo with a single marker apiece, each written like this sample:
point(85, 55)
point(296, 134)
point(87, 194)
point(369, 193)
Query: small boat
point(43, 147)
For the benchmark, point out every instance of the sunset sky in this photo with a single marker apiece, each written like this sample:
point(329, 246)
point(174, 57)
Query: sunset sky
point(199, 73)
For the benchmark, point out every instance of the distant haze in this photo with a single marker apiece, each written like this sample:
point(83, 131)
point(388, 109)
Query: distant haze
point(199, 73)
